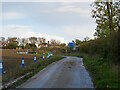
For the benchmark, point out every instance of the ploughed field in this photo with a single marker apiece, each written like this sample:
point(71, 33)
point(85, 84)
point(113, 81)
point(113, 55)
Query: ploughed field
point(12, 64)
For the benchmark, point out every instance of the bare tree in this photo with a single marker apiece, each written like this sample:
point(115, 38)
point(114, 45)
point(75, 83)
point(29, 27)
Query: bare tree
point(58, 42)
point(39, 39)
point(33, 40)
point(43, 40)
point(24, 41)
point(53, 41)
point(2, 39)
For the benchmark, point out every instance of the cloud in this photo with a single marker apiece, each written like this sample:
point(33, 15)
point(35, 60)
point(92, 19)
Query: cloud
point(22, 31)
point(79, 32)
point(72, 9)
point(80, 11)
point(12, 15)
point(69, 8)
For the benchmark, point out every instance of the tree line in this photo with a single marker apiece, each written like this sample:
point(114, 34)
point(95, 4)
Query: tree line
point(13, 42)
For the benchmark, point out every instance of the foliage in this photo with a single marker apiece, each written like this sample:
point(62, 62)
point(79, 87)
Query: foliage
point(13, 40)
point(63, 44)
point(34, 49)
point(106, 47)
point(11, 46)
point(32, 45)
point(106, 16)
point(86, 39)
point(102, 52)
point(27, 46)
point(76, 42)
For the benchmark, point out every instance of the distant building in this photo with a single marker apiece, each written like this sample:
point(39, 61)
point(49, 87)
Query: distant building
point(55, 46)
point(42, 44)
point(4, 44)
point(48, 45)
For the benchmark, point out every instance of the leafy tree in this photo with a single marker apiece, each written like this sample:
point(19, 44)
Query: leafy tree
point(86, 38)
point(73, 41)
point(11, 46)
point(77, 42)
point(13, 40)
point(106, 16)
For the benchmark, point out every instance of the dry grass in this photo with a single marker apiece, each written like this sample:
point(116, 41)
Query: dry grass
point(12, 63)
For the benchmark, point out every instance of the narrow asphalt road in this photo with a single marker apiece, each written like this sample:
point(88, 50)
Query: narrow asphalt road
point(66, 73)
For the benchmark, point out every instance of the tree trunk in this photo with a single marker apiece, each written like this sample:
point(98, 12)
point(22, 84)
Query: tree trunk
point(109, 16)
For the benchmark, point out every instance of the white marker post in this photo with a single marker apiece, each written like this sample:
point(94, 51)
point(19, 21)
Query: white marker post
point(48, 56)
point(23, 62)
point(51, 54)
point(43, 57)
point(1, 67)
point(35, 59)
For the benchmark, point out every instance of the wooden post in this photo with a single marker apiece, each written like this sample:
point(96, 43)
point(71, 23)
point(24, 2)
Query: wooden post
point(66, 50)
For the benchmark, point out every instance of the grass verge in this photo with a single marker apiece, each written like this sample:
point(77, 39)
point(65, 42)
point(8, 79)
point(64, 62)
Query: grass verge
point(104, 74)
point(35, 68)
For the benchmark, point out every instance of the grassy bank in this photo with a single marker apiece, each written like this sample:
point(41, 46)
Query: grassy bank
point(103, 73)
point(35, 68)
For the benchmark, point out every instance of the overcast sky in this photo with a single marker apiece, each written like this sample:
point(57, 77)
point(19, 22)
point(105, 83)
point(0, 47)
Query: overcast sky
point(57, 20)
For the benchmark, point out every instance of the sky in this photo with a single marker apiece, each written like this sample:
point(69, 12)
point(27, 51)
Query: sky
point(63, 21)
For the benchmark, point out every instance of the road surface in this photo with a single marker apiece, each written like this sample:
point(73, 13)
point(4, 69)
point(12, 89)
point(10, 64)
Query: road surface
point(66, 73)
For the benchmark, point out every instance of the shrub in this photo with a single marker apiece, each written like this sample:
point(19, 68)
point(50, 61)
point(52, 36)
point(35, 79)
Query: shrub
point(11, 46)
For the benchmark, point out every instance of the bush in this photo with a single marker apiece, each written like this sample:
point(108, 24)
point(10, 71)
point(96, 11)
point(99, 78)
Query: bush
point(105, 47)
point(11, 46)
